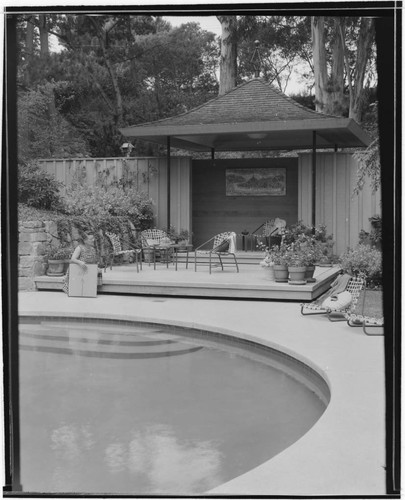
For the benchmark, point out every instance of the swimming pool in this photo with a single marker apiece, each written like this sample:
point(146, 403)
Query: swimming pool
point(131, 408)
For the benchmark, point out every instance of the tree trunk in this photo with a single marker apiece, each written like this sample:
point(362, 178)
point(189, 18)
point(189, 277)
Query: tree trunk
point(29, 51)
point(336, 83)
point(102, 35)
point(228, 62)
point(43, 35)
point(320, 68)
point(364, 44)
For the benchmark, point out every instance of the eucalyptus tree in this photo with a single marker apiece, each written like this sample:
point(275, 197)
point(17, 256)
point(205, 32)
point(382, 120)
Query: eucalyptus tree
point(336, 56)
point(344, 63)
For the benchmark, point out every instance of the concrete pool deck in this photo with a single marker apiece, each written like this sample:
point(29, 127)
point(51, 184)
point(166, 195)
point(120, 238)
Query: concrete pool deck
point(344, 453)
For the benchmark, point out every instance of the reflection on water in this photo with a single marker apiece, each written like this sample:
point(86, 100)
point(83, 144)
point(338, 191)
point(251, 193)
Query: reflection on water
point(161, 414)
point(166, 464)
point(156, 459)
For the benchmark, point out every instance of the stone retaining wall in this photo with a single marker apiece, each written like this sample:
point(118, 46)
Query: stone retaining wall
point(34, 237)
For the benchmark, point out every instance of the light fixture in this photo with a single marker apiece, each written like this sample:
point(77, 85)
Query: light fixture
point(257, 135)
point(126, 148)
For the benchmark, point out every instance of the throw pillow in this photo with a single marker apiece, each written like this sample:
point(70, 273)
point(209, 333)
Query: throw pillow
point(337, 302)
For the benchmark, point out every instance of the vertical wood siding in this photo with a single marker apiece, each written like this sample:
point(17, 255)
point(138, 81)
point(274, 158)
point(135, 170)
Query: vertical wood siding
point(214, 212)
point(344, 213)
point(149, 176)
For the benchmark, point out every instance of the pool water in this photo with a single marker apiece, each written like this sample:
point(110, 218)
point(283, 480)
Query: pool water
point(122, 408)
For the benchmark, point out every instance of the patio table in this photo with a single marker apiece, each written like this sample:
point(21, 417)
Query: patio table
point(167, 250)
point(181, 249)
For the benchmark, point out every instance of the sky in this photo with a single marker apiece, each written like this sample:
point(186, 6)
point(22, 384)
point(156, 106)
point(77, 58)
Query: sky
point(208, 23)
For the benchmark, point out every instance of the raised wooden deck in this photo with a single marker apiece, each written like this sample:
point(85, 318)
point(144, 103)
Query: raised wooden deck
point(250, 283)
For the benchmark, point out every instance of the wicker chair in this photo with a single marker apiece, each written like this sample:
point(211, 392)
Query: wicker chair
point(117, 251)
point(354, 286)
point(221, 245)
point(153, 238)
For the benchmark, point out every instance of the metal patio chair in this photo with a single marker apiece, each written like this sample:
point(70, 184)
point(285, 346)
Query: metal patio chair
point(133, 251)
point(152, 239)
point(371, 325)
point(220, 245)
point(354, 285)
point(270, 228)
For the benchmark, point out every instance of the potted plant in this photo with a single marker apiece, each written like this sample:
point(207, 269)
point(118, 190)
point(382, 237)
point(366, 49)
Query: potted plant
point(268, 264)
point(58, 258)
point(279, 258)
point(181, 237)
point(296, 266)
point(312, 250)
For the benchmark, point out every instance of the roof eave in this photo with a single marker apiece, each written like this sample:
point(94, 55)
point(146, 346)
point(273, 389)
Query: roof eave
point(251, 127)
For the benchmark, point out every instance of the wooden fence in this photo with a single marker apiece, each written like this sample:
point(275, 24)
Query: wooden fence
point(343, 213)
point(148, 175)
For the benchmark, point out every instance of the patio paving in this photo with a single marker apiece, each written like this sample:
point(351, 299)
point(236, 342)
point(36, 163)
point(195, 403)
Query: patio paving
point(344, 453)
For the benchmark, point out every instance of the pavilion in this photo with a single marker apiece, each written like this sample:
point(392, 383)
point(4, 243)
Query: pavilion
point(255, 116)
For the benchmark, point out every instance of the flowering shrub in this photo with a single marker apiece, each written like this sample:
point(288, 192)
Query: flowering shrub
point(362, 260)
point(279, 255)
point(314, 241)
point(110, 201)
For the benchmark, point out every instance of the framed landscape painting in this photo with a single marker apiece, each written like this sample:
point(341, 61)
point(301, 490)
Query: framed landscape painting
point(255, 181)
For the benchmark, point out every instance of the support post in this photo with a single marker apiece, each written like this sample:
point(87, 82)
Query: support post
point(212, 154)
point(9, 242)
point(313, 177)
point(168, 183)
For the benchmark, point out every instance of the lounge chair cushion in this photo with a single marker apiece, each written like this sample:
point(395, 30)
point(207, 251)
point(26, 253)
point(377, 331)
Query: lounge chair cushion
point(337, 302)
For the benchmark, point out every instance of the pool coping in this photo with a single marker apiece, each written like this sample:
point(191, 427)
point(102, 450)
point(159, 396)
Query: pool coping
point(347, 443)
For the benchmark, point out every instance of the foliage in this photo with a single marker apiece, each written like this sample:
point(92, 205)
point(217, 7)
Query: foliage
point(301, 245)
point(60, 252)
point(362, 260)
point(285, 43)
point(175, 236)
point(43, 132)
point(295, 256)
point(369, 166)
point(316, 242)
point(278, 255)
point(111, 71)
point(98, 201)
point(374, 237)
point(37, 188)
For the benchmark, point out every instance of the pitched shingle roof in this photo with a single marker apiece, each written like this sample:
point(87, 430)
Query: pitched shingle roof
point(255, 107)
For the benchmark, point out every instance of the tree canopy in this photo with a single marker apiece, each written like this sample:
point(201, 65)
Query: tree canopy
point(109, 71)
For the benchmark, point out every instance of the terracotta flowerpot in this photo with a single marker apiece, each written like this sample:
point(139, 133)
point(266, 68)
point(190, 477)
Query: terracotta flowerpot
point(280, 273)
point(269, 270)
point(56, 267)
point(148, 255)
point(309, 274)
point(296, 275)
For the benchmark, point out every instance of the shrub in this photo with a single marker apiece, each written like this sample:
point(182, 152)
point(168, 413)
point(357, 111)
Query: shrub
point(374, 237)
point(362, 260)
point(320, 241)
point(38, 189)
point(103, 202)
